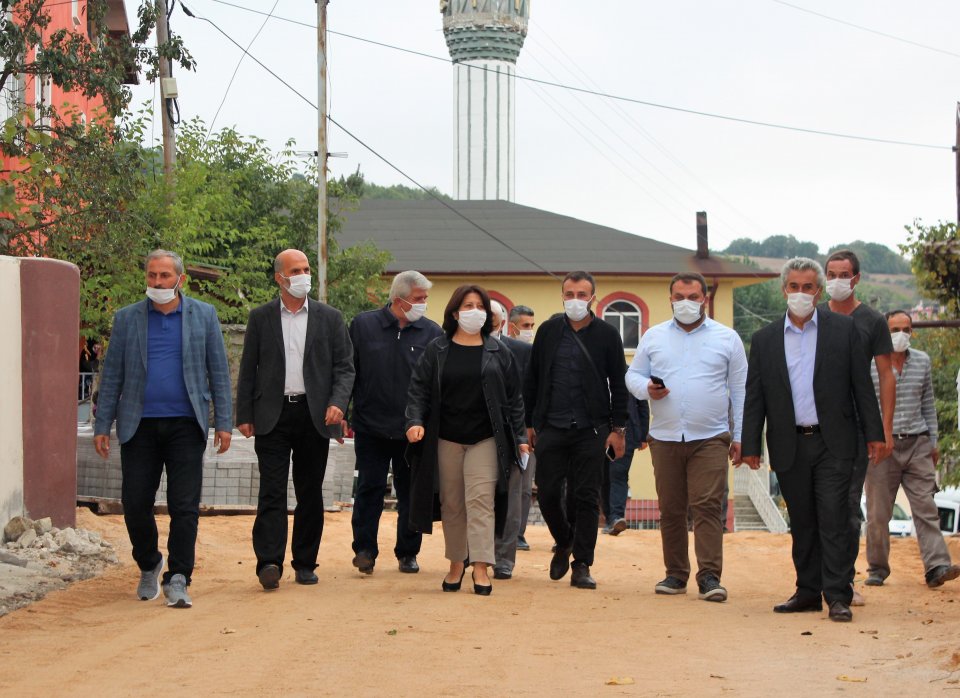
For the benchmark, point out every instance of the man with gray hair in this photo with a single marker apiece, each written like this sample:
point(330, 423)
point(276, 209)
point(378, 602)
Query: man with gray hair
point(166, 362)
point(806, 380)
point(387, 343)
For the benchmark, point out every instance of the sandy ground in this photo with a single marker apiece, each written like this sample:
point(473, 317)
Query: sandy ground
point(400, 635)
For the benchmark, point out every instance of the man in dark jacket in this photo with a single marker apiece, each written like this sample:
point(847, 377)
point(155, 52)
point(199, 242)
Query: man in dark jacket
point(575, 400)
point(387, 343)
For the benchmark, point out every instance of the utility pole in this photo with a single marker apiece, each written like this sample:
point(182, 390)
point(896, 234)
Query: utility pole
point(956, 150)
point(322, 149)
point(169, 139)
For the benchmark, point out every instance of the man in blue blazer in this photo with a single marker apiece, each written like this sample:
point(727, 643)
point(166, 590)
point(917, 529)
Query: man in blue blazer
point(296, 375)
point(165, 363)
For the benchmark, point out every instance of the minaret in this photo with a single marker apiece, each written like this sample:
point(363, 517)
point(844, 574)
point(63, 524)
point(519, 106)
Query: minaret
point(484, 38)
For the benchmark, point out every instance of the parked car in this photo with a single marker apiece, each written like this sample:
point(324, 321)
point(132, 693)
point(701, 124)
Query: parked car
point(948, 506)
point(901, 524)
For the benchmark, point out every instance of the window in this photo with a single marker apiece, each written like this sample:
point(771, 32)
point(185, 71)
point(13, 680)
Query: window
point(75, 12)
point(42, 98)
point(627, 318)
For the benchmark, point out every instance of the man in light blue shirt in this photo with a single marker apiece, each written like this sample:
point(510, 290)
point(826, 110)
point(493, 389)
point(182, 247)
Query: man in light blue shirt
point(694, 370)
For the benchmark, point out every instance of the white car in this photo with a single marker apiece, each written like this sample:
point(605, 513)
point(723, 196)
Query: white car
point(901, 524)
point(948, 506)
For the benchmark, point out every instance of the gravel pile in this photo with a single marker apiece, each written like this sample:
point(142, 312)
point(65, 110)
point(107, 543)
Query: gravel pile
point(36, 558)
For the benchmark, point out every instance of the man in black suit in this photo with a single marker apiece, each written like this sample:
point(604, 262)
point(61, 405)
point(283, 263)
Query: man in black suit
point(296, 374)
point(805, 378)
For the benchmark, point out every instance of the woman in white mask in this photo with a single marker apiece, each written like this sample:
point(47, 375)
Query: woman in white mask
point(465, 417)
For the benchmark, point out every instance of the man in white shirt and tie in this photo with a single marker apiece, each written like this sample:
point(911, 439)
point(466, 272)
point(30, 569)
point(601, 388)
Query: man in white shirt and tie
point(694, 370)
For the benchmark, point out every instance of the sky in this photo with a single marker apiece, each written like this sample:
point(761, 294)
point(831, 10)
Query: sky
point(637, 168)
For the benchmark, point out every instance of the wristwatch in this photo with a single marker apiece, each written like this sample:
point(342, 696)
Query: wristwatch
point(620, 430)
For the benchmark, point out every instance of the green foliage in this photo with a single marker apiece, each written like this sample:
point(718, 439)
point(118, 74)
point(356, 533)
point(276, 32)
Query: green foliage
point(943, 346)
point(357, 186)
point(756, 306)
point(874, 257)
point(236, 205)
point(934, 252)
point(783, 246)
point(884, 297)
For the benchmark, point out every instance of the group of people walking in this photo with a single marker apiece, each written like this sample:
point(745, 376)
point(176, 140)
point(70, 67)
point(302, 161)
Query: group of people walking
point(469, 413)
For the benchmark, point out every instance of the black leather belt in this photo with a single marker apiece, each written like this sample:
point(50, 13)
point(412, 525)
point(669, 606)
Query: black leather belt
point(295, 398)
point(808, 430)
point(901, 437)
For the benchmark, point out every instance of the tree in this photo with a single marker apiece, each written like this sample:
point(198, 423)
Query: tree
point(236, 205)
point(934, 253)
point(874, 257)
point(356, 185)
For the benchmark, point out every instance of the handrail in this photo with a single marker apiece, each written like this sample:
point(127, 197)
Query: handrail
point(749, 482)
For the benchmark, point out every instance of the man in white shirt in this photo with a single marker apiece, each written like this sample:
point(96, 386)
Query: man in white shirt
point(694, 370)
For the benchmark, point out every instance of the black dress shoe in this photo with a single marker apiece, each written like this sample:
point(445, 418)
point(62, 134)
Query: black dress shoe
point(481, 589)
point(795, 604)
point(840, 612)
point(454, 586)
point(305, 577)
point(408, 564)
point(560, 563)
point(501, 574)
point(364, 562)
point(580, 577)
point(269, 576)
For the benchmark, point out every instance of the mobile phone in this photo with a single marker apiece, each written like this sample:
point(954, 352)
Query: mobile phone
point(611, 454)
point(656, 380)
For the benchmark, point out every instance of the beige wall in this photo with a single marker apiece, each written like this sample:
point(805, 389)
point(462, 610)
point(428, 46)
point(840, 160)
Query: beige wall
point(542, 293)
point(11, 406)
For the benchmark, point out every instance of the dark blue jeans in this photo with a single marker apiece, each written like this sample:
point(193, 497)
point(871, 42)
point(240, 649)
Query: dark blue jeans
point(374, 458)
point(616, 485)
point(177, 443)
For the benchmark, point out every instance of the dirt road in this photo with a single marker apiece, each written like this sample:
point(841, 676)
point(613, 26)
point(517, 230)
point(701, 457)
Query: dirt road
point(394, 634)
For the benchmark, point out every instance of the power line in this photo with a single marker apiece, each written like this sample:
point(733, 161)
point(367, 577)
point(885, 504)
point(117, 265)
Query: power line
point(237, 69)
point(868, 29)
point(621, 98)
point(373, 151)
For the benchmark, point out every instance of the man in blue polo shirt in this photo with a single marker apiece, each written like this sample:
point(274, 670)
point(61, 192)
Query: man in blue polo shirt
point(165, 363)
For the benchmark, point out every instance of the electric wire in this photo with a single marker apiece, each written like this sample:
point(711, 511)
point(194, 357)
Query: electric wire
point(237, 69)
point(886, 35)
point(373, 151)
point(622, 98)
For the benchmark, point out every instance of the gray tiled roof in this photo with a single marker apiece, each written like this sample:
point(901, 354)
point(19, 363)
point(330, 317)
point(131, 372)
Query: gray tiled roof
point(427, 236)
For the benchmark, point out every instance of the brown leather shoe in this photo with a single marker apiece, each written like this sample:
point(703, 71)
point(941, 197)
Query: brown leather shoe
point(840, 612)
point(797, 605)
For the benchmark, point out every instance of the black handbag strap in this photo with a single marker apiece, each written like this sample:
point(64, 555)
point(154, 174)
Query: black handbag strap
point(586, 353)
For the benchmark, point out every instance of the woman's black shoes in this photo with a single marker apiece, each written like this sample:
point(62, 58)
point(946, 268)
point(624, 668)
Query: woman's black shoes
point(454, 586)
point(480, 589)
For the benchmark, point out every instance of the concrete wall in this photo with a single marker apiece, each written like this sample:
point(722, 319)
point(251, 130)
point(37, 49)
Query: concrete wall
point(11, 388)
point(38, 384)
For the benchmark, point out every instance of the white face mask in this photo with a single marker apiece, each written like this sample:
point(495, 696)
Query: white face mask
point(525, 336)
point(299, 285)
point(800, 304)
point(901, 341)
point(576, 309)
point(471, 321)
point(162, 296)
point(417, 311)
point(687, 312)
point(840, 289)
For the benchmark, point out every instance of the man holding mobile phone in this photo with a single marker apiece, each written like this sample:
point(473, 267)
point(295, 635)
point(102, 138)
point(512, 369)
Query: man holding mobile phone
point(705, 367)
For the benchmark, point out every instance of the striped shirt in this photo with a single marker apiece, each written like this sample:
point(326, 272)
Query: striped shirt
point(915, 411)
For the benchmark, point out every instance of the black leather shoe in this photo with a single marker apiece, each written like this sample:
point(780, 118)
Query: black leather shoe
point(580, 577)
point(944, 573)
point(481, 589)
point(501, 574)
point(797, 605)
point(269, 576)
point(408, 564)
point(560, 562)
point(364, 562)
point(305, 577)
point(454, 586)
point(840, 612)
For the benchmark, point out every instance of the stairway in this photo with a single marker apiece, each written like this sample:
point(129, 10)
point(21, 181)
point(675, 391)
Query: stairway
point(745, 516)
